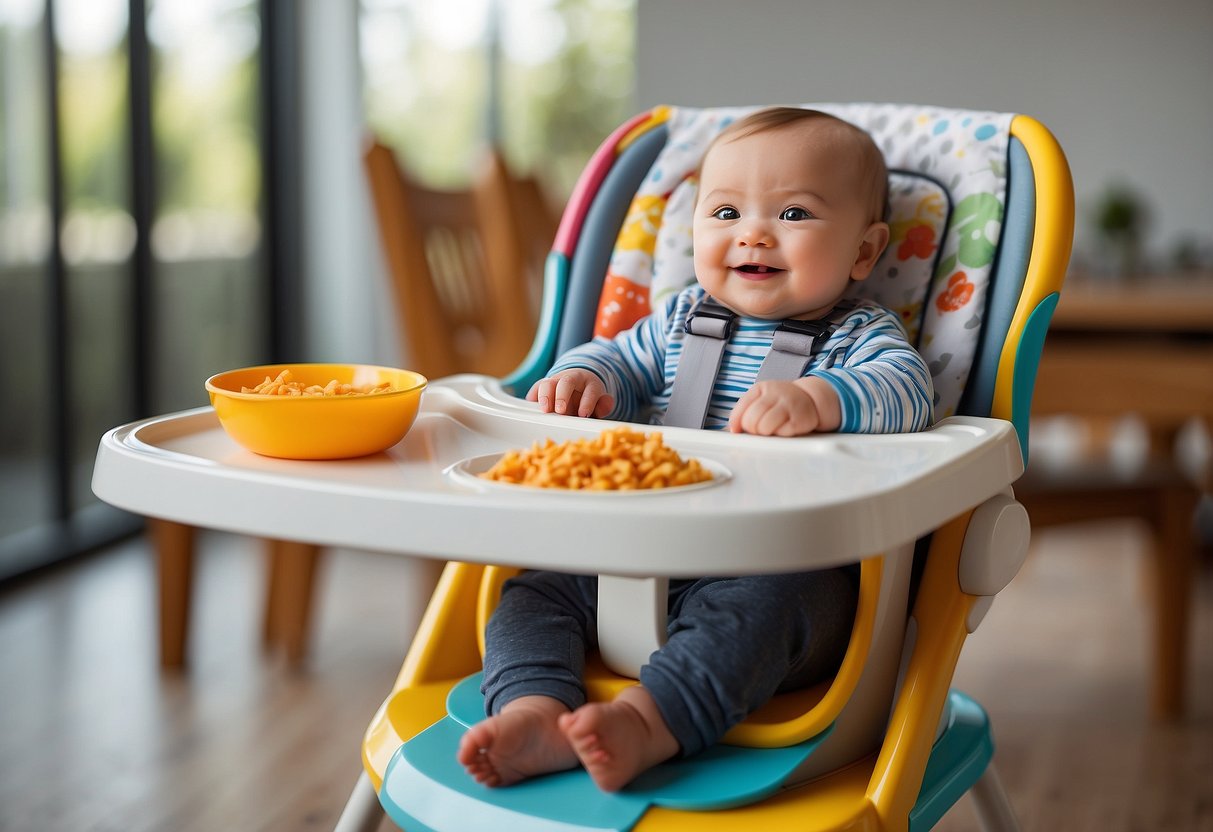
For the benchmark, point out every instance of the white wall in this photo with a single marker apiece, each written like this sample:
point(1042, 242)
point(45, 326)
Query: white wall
point(1127, 87)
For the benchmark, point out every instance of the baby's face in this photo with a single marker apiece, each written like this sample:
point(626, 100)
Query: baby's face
point(782, 223)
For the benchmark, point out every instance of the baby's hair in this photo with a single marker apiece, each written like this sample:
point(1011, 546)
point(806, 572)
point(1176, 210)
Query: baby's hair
point(871, 160)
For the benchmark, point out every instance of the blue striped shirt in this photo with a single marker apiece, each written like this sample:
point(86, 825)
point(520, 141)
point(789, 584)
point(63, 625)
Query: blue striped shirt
point(882, 382)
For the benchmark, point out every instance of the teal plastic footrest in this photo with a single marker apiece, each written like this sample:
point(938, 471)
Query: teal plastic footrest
point(426, 790)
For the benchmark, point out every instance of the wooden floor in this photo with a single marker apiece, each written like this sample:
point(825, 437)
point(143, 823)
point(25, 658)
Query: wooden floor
point(94, 737)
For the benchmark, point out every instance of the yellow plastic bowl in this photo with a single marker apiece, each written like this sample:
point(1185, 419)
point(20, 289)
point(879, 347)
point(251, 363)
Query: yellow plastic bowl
point(317, 427)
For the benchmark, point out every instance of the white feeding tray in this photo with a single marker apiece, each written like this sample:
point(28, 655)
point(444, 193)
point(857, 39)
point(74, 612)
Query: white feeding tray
point(779, 504)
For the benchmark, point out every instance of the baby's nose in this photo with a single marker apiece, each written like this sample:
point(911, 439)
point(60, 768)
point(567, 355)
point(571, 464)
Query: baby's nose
point(754, 234)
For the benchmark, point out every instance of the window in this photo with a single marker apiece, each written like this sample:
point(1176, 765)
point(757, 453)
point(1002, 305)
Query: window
point(25, 234)
point(209, 303)
point(97, 236)
point(137, 145)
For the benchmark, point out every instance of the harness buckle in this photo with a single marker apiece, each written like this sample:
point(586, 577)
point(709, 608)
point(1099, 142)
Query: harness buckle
point(710, 319)
point(807, 337)
point(813, 329)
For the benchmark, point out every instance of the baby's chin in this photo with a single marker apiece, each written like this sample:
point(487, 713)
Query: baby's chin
point(755, 305)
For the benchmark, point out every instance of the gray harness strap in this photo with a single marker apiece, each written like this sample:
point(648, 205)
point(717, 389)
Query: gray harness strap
point(709, 326)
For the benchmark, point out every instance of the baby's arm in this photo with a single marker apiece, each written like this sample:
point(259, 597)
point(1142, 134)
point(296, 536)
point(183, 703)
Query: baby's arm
point(874, 382)
point(575, 391)
point(883, 384)
point(787, 408)
point(625, 372)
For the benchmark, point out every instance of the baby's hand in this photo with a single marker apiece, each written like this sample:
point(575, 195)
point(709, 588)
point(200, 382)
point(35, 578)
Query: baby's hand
point(787, 408)
point(576, 392)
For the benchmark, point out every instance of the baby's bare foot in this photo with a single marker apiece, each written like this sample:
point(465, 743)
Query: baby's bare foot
point(616, 741)
point(522, 741)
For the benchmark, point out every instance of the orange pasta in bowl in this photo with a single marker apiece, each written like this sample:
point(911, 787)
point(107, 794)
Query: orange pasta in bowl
point(284, 384)
point(618, 459)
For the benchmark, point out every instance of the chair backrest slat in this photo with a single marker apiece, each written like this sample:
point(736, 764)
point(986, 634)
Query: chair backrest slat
point(459, 265)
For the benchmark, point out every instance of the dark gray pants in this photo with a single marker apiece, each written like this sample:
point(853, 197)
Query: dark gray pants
point(733, 643)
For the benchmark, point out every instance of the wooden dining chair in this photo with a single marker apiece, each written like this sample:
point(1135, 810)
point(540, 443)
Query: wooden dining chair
point(466, 270)
point(465, 267)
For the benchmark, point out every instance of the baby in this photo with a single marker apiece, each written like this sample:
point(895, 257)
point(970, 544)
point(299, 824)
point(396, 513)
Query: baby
point(790, 211)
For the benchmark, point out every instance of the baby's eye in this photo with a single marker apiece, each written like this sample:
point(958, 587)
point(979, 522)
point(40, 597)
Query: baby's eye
point(726, 213)
point(795, 215)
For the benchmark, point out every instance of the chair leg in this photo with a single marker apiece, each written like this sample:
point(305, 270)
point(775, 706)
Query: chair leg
point(292, 576)
point(362, 811)
point(1173, 567)
point(174, 545)
point(273, 594)
point(994, 812)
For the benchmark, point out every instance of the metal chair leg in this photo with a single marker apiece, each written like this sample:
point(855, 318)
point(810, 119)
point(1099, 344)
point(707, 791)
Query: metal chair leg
point(994, 812)
point(362, 811)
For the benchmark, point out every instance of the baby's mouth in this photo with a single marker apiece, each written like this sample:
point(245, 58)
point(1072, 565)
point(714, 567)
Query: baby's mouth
point(757, 271)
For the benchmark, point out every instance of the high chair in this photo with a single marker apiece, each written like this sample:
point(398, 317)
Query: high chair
point(981, 220)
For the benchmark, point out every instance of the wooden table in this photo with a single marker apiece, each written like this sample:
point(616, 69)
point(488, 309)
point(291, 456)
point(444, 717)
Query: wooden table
point(1142, 347)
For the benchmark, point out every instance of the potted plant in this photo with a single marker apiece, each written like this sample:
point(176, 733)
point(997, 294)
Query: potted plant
point(1120, 219)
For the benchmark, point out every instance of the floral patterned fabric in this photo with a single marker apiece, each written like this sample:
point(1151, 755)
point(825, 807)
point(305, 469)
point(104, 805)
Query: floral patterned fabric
point(947, 191)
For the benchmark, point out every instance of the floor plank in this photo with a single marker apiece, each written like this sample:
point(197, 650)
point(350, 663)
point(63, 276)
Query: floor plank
point(95, 737)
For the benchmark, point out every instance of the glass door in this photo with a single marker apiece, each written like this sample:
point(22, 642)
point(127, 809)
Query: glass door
point(133, 257)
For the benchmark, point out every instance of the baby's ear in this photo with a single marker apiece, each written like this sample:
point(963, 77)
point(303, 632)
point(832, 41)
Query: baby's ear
point(870, 248)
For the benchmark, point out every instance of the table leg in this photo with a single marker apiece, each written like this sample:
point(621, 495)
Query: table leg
point(269, 622)
point(1173, 570)
point(174, 545)
point(1169, 567)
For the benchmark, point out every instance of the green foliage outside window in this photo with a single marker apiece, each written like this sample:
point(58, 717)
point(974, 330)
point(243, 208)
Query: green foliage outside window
point(562, 70)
